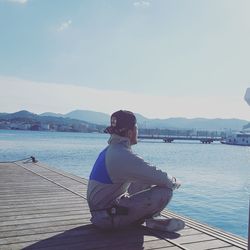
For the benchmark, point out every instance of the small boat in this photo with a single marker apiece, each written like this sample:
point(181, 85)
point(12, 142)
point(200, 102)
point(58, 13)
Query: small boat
point(239, 138)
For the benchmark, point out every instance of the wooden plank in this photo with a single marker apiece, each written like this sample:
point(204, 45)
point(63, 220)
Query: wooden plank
point(37, 199)
point(193, 238)
point(44, 215)
point(30, 226)
point(189, 231)
point(33, 209)
point(18, 212)
point(40, 230)
point(39, 220)
point(61, 173)
point(230, 248)
point(42, 204)
point(212, 244)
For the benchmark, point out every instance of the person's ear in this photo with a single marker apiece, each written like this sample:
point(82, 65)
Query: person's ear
point(130, 132)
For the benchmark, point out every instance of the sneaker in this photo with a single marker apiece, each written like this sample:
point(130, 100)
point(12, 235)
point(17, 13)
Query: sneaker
point(164, 224)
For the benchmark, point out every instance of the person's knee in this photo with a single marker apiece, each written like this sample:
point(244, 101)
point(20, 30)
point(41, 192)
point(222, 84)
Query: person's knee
point(168, 193)
point(163, 194)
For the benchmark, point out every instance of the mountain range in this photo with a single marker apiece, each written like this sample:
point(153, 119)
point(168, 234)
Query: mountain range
point(25, 120)
point(93, 118)
point(147, 123)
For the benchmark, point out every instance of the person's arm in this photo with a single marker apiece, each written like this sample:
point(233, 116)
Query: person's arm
point(128, 166)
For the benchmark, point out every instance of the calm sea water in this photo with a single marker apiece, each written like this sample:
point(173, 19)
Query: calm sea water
point(215, 177)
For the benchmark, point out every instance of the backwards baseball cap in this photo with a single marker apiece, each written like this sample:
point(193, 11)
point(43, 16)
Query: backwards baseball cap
point(121, 121)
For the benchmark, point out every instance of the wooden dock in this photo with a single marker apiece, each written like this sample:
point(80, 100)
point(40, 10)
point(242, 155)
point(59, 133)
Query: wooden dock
point(46, 208)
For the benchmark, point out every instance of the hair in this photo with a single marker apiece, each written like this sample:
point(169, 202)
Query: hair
point(124, 133)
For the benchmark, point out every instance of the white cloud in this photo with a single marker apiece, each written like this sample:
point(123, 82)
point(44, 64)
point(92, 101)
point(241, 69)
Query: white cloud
point(141, 3)
point(64, 25)
point(17, 94)
point(18, 1)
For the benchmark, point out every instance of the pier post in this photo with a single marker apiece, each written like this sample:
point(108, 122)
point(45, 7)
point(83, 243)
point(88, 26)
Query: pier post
point(249, 226)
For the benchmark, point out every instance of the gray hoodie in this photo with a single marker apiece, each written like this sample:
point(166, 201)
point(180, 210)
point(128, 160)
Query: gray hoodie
point(115, 169)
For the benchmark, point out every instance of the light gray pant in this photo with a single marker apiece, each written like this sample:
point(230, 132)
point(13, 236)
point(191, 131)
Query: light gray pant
point(141, 203)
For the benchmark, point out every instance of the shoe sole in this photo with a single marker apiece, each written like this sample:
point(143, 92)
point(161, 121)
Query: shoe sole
point(174, 225)
point(167, 225)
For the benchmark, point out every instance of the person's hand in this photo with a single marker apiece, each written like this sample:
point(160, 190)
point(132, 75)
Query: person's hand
point(176, 184)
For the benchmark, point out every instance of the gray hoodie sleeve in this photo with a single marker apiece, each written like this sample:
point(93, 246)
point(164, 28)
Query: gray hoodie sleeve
point(125, 166)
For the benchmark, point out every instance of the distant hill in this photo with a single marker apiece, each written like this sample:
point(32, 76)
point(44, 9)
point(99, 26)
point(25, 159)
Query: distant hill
point(20, 114)
point(196, 123)
point(30, 121)
point(169, 123)
point(90, 116)
point(52, 114)
point(247, 126)
point(26, 115)
point(84, 115)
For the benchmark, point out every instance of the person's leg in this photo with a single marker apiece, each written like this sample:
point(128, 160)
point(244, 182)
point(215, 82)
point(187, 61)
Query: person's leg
point(136, 187)
point(142, 205)
point(102, 219)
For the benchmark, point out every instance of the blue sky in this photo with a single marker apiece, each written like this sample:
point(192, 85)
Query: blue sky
point(160, 58)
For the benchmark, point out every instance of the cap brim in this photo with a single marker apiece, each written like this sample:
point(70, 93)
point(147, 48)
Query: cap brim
point(109, 130)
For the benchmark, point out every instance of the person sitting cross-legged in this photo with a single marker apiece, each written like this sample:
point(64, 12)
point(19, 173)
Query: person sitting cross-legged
point(124, 189)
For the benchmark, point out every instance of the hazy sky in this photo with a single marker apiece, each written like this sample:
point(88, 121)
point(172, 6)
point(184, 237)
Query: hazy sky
point(160, 58)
